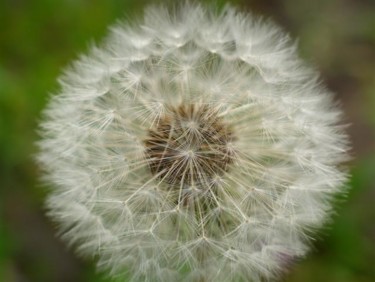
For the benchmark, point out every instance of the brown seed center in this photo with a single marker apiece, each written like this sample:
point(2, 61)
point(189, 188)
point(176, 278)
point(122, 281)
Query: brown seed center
point(190, 145)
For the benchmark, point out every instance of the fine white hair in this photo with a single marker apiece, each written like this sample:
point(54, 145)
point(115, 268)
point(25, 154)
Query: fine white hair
point(243, 220)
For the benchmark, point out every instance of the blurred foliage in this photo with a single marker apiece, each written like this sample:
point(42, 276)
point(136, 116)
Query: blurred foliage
point(39, 37)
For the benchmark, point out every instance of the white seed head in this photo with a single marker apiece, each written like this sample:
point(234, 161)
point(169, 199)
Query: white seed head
point(196, 146)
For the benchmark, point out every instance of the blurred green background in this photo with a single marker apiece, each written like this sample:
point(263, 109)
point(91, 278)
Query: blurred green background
point(40, 37)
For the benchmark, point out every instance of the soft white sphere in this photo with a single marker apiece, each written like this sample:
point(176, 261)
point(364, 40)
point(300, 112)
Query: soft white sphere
point(195, 146)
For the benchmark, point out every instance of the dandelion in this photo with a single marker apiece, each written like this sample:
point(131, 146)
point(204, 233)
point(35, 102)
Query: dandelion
point(196, 146)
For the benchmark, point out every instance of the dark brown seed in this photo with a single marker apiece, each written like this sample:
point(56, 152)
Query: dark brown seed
point(189, 146)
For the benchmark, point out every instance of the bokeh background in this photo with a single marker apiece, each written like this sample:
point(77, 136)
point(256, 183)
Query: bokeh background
point(40, 37)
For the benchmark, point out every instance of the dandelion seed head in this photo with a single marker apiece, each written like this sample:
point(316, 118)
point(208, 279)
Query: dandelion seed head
point(196, 146)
